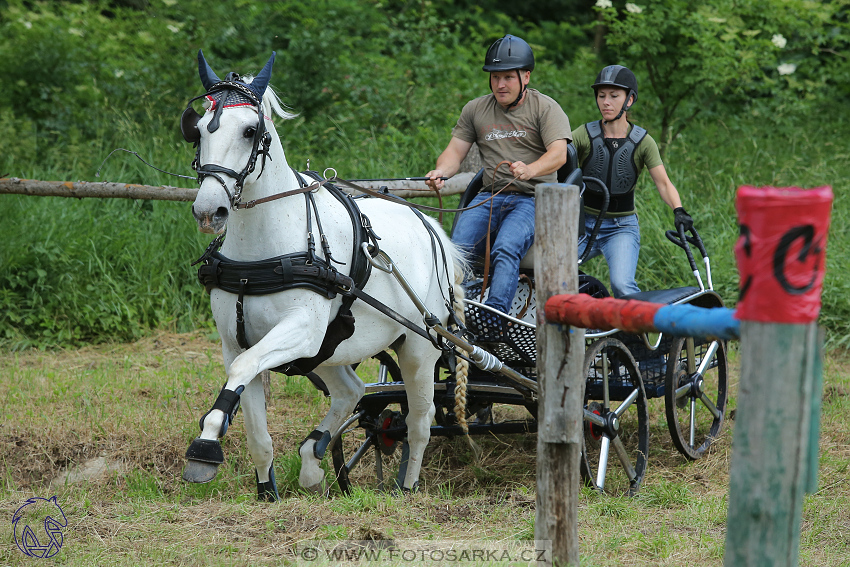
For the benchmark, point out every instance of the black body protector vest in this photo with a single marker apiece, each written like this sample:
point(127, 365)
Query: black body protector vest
point(613, 161)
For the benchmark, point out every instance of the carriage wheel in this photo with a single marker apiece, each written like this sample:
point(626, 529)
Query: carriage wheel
point(616, 423)
point(362, 451)
point(695, 394)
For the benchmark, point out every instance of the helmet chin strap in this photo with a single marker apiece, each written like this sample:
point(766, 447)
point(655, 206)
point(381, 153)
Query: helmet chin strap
point(522, 89)
point(626, 106)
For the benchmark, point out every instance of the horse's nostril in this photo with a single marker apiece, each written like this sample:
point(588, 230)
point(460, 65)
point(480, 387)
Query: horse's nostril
point(221, 213)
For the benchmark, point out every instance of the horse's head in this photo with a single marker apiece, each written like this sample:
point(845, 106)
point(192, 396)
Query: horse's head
point(230, 144)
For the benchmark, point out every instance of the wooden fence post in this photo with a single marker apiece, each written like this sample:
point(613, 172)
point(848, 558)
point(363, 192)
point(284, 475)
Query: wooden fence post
point(560, 356)
point(781, 259)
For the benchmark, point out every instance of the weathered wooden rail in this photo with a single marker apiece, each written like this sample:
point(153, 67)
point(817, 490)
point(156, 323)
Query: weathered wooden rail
point(109, 190)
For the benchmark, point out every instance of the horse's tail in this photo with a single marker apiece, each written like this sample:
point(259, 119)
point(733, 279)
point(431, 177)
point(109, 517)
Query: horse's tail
point(462, 366)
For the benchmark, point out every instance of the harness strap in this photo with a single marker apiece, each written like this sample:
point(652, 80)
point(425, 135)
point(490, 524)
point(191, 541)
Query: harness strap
point(253, 203)
point(392, 314)
point(399, 201)
point(241, 339)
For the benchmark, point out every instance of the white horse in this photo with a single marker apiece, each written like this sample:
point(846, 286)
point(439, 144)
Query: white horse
point(240, 159)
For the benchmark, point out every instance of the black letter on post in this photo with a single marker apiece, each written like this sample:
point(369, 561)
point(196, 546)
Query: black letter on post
point(807, 233)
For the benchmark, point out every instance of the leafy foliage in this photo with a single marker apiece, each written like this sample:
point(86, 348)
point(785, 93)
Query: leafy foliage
point(378, 85)
point(721, 55)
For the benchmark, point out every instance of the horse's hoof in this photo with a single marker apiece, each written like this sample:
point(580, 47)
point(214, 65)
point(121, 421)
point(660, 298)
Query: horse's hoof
point(204, 456)
point(322, 488)
point(402, 491)
point(199, 472)
point(267, 491)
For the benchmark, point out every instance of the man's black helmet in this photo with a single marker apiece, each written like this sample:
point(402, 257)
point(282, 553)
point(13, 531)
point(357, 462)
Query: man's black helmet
point(618, 76)
point(509, 53)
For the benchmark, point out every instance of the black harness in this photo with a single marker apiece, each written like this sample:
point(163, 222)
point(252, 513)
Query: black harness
point(615, 165)
point(297, 270)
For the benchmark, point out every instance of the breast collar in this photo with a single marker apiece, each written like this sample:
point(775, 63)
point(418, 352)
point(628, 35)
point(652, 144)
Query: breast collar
point(298, 269)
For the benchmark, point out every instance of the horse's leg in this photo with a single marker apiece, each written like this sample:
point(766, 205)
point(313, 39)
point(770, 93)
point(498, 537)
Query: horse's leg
point(346, 389)
point(259, 440)
point(294, 337)
point(416, 359)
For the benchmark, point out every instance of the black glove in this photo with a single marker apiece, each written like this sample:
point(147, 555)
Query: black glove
point(682, 217)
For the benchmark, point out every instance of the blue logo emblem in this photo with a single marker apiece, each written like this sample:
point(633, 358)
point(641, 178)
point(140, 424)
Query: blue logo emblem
point(39, 543)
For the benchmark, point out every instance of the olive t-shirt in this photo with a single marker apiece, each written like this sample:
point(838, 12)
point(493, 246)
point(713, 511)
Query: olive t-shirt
point(519, 134)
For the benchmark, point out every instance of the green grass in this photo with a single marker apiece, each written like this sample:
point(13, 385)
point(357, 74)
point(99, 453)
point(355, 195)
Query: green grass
point(139, 404)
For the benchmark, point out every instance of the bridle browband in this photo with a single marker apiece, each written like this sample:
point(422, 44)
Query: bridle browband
point(260, 144)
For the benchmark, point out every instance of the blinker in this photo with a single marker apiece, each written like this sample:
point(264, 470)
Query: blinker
point(189, 125)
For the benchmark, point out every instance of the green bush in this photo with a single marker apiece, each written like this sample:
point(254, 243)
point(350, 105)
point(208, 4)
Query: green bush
point(378, 85)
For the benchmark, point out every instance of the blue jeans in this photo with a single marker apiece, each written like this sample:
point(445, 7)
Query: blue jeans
point(619, 241)
point(511, 235)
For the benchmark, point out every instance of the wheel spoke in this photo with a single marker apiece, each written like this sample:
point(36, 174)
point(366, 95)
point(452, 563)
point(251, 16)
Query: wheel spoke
point(379, 470)
point(693, 420)
point(627, 402)
point(706, 401)
point(623, 455)
point(594, 418)
point(683, 391)
point(355, 458)
point(603, 462)
point(707, 358)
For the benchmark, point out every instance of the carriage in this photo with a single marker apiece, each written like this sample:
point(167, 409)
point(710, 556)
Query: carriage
point(622, 372)
point(311, 281)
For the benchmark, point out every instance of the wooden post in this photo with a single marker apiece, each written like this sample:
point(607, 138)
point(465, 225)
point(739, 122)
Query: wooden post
point(560, 356)
point(770, 464)
point(781, 259)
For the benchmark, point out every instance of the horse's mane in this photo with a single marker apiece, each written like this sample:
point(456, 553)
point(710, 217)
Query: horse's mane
point(272, 102)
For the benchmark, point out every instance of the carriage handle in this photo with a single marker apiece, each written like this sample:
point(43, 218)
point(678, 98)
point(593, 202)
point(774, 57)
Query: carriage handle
point(682, 241)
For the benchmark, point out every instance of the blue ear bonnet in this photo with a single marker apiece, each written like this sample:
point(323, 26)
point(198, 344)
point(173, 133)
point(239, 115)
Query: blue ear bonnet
point(258, 86)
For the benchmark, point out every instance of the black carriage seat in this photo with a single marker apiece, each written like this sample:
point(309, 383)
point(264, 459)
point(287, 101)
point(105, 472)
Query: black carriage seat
point(569, 173)
point(699, 298)
point(664, 296)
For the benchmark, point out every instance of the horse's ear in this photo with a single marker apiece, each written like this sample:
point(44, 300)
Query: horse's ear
point(261, 81)
point(208, 77)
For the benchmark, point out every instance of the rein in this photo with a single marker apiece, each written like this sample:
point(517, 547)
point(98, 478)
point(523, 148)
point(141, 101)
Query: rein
point(400, 201)
point(442, 210)
point(253, 203)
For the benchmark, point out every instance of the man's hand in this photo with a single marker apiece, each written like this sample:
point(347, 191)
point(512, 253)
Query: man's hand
point(522, 171)
point(434, 181)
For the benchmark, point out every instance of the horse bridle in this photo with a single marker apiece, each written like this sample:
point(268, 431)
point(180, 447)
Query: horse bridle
point(192, 133)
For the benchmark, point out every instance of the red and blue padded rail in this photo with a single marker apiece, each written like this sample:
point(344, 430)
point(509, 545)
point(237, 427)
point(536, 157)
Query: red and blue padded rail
point(634, 316)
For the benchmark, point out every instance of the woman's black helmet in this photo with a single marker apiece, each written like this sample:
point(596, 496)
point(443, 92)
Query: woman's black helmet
point(621, 77)
point(617, 76)
point(509, 53)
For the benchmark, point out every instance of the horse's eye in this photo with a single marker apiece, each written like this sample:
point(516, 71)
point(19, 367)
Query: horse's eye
point(250, 131)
